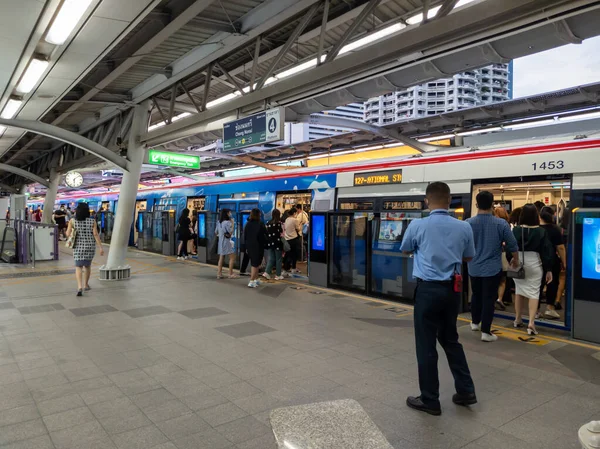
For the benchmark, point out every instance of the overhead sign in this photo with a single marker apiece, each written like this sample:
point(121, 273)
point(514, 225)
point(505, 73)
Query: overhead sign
point(378, 177)
point(156, 157)
point(254, 130)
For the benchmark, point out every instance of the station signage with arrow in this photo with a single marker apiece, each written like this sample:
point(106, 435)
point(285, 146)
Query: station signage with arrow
point(170, 159)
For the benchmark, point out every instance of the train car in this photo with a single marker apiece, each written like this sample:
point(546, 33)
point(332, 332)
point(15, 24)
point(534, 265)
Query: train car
point(370, 203)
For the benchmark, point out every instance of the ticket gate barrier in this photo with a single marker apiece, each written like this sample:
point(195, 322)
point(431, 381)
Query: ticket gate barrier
point(105, 221)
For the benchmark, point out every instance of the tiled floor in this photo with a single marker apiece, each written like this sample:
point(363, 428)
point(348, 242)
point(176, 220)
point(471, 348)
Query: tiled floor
point(174, 359)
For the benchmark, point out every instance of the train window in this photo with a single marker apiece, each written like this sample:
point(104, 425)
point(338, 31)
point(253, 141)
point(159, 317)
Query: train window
point(356, 205)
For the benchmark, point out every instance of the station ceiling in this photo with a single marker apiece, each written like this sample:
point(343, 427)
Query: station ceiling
point(185, 56)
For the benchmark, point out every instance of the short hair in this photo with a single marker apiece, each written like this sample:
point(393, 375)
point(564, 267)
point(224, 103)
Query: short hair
point(254, 215)
point(299, 206)
point(438, 192)
point(529, 215)
point(500, 212)
point(547, 214)
point(485, 200)
point(538, 205)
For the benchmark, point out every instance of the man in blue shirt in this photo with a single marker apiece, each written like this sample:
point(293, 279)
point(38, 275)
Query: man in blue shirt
point(486, 267)
point(440, 243)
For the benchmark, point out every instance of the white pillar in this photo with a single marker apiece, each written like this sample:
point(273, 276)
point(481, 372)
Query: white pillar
point(115, 267)
point(50, 199)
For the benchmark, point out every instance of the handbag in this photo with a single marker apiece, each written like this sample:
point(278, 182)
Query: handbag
point(519, 272)
point(72, 238)
point(286, 245)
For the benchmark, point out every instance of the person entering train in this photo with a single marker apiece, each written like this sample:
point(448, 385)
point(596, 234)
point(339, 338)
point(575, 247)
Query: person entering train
point(224, 232)
point(255, 236)
point(501, 213)
point(274, 245)
point(559, 260)
point(184, 233)
point(302, 218)
point(537, 259)
point(485, 270)
point(440, 243)
point(291, 232)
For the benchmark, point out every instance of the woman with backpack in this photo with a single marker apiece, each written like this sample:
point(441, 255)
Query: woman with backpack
point(224, 232)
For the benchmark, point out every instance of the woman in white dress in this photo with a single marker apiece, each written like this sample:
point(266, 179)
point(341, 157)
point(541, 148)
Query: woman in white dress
point(537, 255)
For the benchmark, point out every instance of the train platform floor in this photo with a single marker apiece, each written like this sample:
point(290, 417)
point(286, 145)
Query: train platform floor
point(176, 359)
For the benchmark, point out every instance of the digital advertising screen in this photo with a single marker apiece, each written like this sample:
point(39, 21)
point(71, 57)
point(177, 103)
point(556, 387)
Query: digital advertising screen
point(590, 253)
point(201, 226)
point(245, 220)
point(394, 225)
point(317, 232)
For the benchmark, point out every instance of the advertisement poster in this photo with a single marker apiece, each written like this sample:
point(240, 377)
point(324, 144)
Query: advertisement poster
point(590, 265)
point(317, 232)
point(394, 225)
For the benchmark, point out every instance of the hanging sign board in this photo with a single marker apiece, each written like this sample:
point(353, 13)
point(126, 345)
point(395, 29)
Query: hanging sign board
point(257, 129)
point(170, 159)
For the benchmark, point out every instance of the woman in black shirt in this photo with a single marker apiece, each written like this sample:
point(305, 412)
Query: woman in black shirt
point(184, 233)
point(255, 239)
point(274, 245)
point(559, 261)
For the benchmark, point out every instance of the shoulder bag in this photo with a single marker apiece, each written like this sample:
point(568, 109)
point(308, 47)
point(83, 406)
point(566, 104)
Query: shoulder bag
point(519, 272)
point(72, 238)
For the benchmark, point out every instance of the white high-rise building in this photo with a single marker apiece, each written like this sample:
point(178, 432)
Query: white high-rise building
point(477, 87)
point(302, 132)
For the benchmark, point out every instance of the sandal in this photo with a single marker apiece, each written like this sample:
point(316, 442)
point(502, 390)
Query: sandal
point(531, 331)
point(518, 324)
point(233, 276)
point(219, 276)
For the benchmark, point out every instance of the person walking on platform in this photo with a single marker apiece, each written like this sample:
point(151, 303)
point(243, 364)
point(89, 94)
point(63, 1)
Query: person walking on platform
point(485, 269)
point(224, 232)
point(440, 244)
point(84, 247)
point(255, 236)
point(184, 233)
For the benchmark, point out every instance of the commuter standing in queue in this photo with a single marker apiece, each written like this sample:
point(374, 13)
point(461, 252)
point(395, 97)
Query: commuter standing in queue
point(440, 243)
point(485, 269)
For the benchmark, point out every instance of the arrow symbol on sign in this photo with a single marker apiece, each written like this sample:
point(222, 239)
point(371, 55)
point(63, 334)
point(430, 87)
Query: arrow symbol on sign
point(155, 157)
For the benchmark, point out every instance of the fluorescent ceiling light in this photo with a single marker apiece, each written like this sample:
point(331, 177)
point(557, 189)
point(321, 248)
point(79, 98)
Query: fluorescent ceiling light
point(372, 38)
point(375, 147)
point(11, 108)
point(430, 139)
point(530, 124)
point(32, 75)
point(479, 131)
point(572, 118)
point(218, 101)
point(319, 156)
point(2, 129)
point(299, 68)
point(65, 21)
point(418, 18)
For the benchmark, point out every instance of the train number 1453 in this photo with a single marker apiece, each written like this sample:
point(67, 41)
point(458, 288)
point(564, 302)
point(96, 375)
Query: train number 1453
point(548, 165)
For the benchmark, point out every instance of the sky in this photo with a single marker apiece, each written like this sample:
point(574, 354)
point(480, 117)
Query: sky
point(559, 68)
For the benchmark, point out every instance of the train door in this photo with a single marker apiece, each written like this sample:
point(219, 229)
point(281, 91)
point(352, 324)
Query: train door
point(140, 206)
point(510, 195)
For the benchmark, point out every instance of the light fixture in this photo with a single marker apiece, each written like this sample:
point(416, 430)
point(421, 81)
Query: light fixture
point(479, 131)
point(32, 75)
point(11, 108)
point(430, 139)
point(375, 147)
point(65, 21)
point(571, 118)
point(372, 37)
point(514, 126)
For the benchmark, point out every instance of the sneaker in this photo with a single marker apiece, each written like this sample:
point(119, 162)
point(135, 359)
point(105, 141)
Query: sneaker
point(475, 327)
point(180, 258)
point(295, 271)
point(552, 314)
point(244, 274)
point(488, 337)
point(258, 282)
point(252, 284)
point(279, 278)
point(285, 274)
point(266, 275)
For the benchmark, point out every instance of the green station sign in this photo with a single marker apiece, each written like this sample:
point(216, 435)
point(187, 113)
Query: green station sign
point(257, 129)
point(156, 157)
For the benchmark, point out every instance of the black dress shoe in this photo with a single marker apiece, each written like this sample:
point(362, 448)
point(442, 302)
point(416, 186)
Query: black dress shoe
point(464, 399)
point(417, 404)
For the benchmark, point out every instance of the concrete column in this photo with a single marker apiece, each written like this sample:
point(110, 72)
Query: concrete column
point(115, 268)
point(50, 199)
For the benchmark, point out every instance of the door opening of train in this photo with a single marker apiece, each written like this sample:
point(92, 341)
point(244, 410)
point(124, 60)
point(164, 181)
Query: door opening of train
point(509, 197)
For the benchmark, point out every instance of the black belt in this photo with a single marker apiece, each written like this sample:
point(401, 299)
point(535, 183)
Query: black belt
point(449, 282)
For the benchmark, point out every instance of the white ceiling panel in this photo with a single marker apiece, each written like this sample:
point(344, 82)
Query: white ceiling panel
point(71, 64)
point(18, 18)
point(122, 10)
point(97, 34)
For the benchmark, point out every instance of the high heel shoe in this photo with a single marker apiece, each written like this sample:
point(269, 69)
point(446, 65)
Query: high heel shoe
point(531, 331)
point(518, 323)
